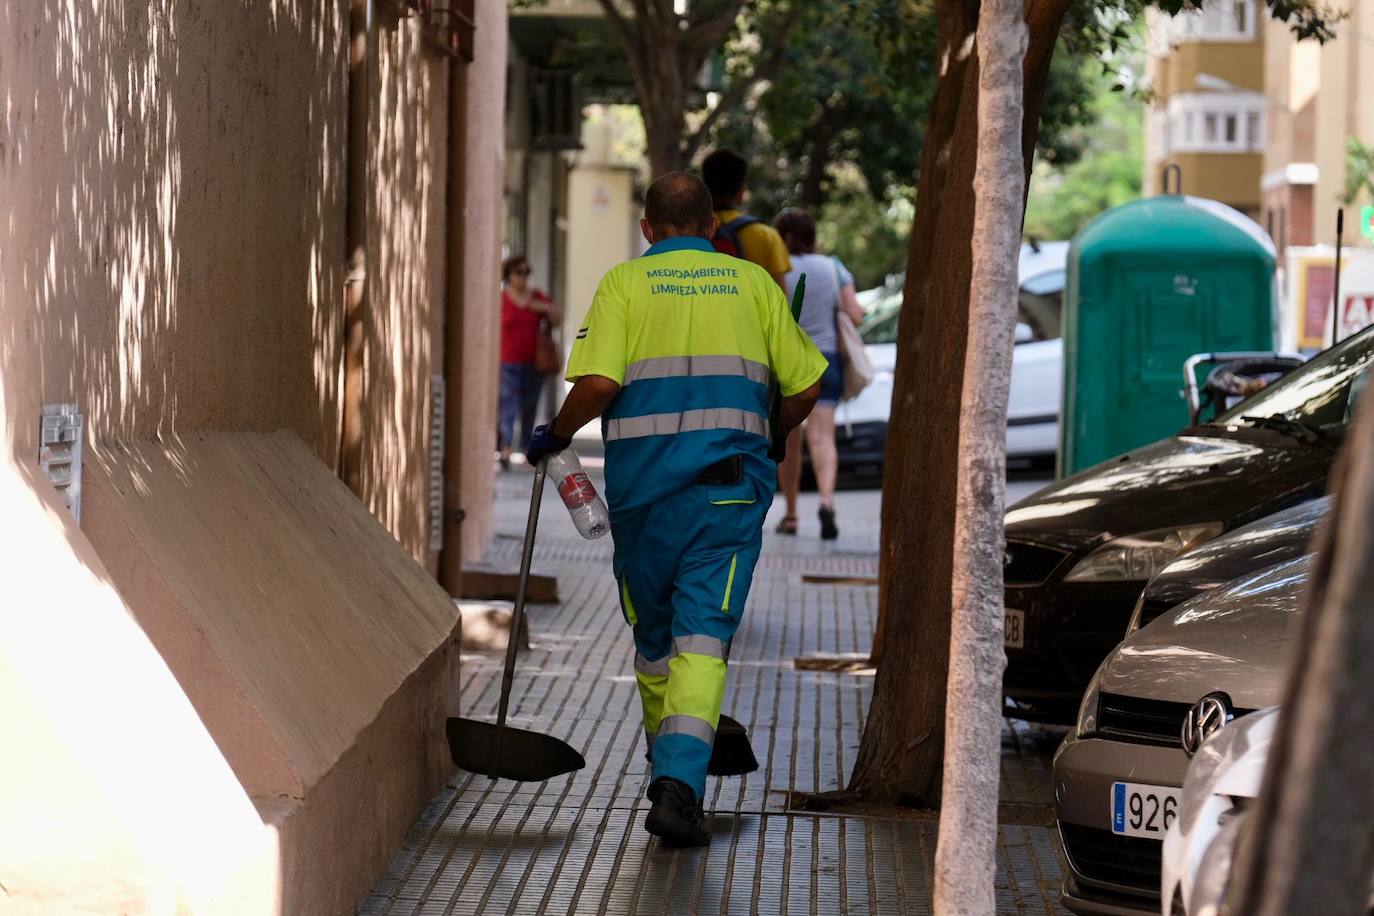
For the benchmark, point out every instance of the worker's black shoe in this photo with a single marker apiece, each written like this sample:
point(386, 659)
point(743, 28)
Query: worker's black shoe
point(676, 817)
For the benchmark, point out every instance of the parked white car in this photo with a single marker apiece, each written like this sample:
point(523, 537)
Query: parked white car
point(1223, 777)
point(1219, 791)
point(1036, 376)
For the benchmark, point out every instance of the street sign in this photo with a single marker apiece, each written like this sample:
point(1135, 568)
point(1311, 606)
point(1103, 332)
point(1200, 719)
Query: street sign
point(1367, 222)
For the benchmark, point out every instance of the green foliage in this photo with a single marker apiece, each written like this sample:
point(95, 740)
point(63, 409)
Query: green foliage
point(868, 235)
point(1063, 198)
point(1359, 170)
point(852, 89)
point(840, 126)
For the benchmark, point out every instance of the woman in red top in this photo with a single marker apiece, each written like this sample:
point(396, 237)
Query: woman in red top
point(522, 309)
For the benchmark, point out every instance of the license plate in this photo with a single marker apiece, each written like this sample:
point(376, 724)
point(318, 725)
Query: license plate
point(1014, 629)
point(1141, 810)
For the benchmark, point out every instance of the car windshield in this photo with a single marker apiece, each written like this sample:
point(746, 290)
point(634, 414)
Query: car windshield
point(880, 326)
point(1040, 303)
point(1039, 308)
point(1321, 395)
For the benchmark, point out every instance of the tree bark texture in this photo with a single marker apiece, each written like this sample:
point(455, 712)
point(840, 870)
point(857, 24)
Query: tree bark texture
point(966, 856)
point(818, 161)
point(666, 50)
point(1309, 847)
point(902, 749)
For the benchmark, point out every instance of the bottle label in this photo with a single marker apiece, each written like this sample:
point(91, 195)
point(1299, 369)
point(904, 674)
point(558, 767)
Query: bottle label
point(576, 490)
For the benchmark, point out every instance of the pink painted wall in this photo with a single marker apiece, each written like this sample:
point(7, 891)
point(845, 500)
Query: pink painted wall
point(172, 252)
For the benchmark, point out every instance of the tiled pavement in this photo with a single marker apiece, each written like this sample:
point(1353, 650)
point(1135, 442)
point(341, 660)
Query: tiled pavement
point(575, 844)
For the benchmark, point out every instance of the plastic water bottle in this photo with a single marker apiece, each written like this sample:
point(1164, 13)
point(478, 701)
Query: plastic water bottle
point(575, 488)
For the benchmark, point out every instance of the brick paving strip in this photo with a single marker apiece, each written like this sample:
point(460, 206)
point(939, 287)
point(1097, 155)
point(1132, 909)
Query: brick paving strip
point(576, 844)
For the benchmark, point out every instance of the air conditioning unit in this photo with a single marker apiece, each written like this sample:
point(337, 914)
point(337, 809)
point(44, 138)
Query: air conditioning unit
point(555, 110)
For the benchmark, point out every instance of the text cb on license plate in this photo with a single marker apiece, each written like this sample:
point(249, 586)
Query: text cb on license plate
point(1014, 629)
point(1143, 810)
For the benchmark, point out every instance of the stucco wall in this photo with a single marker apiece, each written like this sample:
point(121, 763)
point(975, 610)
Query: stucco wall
point(403, 318)
point(485, 170)
point(172, 256)
point(172, 176)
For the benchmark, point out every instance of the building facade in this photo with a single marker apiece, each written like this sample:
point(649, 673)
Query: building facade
point(1205, 70)
point(248, 315)
point(1319, 98)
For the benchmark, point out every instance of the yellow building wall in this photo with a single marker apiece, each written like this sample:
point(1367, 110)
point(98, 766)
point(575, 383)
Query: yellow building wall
point(603, 224)
point(1232, 178)
point(1238, 63)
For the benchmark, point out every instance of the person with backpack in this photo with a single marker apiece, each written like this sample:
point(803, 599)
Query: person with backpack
point(737, 233)
point(829, 291)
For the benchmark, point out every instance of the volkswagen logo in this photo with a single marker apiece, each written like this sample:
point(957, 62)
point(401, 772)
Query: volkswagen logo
point(1204, 719)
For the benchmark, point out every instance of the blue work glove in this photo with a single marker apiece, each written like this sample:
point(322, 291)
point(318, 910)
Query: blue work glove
point(544, 443)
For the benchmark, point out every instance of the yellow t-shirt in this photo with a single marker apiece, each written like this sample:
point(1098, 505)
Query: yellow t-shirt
point(760, 243)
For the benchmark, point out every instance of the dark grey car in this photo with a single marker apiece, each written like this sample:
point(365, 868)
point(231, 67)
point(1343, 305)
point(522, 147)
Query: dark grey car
point(1259, 545)
point(1117, 775)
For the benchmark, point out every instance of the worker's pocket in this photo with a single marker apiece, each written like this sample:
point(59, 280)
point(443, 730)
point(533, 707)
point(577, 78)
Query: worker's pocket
point(736, 494)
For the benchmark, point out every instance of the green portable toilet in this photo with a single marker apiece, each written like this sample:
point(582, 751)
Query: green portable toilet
point(1150, 283)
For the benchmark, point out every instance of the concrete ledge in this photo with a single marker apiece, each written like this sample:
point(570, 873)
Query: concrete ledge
point(486, 583)
point(115, 798)
point(320, 656)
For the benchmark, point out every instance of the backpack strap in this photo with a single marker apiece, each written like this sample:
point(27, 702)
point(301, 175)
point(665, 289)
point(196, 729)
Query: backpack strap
point(739, 222)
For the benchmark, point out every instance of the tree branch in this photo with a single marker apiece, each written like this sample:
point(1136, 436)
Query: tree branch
point(734, 96)
point(636, 43)
point(621, 24)
point(708, 33)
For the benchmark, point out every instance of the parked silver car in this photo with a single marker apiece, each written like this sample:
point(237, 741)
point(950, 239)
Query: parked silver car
point(1172, 683)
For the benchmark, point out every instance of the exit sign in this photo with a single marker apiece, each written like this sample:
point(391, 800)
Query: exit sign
point(1367, 222)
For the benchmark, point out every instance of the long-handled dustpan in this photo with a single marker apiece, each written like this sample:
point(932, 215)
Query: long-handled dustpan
point(501, 751)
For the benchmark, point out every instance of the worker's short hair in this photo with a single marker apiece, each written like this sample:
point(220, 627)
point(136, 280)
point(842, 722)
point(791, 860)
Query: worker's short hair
point(678, 204)
point(724, 172)
point(798, 230)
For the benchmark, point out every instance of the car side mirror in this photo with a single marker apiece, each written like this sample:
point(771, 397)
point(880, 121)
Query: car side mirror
point(1024, 334)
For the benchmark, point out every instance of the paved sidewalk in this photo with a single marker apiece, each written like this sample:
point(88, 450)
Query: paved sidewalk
point(576, 844)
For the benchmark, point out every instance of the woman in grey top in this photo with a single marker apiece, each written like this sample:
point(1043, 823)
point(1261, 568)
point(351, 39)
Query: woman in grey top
point(829, 289)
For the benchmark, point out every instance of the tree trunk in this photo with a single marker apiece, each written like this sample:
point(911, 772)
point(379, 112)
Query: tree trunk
point(663, 135)
point(1309, 847)
point(903, 742)
point(966, 856)
point(817, 161)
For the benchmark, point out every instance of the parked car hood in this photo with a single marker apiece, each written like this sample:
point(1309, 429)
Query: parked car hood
point(1197, 476)
point(1259, 545)
point(1234, 640)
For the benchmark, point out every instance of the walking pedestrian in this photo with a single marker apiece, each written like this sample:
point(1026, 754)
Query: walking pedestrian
point(676, 355)
point(726, 174)
point(829, 292)
point(523, 308)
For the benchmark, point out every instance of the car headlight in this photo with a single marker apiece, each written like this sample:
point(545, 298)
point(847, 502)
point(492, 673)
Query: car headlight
point(1137, 557)
point(1087, 710)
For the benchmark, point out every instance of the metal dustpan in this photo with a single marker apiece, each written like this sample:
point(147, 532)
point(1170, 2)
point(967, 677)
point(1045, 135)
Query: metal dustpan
point(500, 750)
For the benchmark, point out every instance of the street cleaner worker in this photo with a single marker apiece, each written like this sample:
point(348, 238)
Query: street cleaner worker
point(676, 356)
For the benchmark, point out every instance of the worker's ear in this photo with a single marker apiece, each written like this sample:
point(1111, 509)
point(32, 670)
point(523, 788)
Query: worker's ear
point(647, 230)
point(711, 229)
